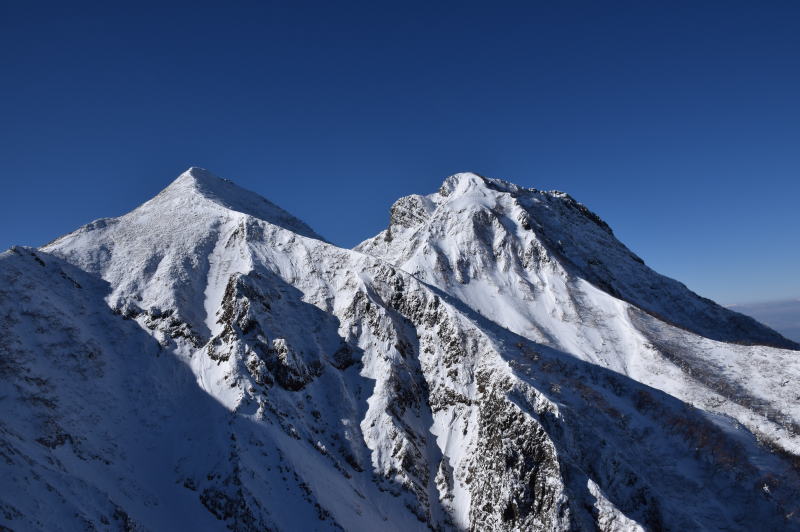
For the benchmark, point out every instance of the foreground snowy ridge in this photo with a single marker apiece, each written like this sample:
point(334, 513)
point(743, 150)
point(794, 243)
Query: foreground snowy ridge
point(494, 360)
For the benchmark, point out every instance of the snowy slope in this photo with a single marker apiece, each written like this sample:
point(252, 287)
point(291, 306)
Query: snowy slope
point(208, 362)
point(494, 232)
point(545, 267)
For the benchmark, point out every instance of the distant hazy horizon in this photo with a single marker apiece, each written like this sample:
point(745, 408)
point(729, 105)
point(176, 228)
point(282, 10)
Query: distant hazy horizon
point(782, 315)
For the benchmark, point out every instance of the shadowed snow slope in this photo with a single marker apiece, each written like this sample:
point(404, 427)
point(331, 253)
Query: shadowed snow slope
point(495, 360)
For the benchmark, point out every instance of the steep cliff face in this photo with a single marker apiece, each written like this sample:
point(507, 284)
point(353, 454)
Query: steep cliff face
point(208, 362)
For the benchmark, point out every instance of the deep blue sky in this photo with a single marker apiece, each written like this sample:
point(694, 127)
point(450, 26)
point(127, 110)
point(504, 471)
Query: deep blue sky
point(678, 123)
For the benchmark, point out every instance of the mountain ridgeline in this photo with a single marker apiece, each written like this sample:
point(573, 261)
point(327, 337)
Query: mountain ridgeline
point(494, 360)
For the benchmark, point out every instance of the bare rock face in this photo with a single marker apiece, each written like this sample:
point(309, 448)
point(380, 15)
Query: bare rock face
point(494, 360)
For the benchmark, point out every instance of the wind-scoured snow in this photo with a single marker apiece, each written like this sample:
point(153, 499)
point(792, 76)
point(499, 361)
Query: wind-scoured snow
point(494, 360)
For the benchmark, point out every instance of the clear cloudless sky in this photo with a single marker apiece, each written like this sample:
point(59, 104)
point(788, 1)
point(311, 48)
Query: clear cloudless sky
point(677, 122)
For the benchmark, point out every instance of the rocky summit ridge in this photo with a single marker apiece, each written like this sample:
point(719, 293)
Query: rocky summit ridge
point(494, 360)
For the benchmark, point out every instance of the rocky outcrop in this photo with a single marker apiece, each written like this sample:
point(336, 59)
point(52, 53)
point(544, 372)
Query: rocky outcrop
point(208, 362)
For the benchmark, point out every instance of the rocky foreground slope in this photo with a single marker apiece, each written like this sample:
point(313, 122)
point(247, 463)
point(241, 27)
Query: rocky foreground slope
point(494, 360)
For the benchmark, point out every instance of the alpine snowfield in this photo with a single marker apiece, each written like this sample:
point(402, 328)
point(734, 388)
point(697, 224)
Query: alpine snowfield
point(494, 360)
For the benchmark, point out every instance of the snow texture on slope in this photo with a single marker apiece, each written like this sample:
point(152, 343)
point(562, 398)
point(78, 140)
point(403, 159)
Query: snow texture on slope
point(208, 362)
point(458, 226)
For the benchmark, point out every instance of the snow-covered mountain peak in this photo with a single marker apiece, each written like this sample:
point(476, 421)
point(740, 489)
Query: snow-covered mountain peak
point(466, 183)
point(177, 250)
point(199, 175)
point(196, 180)
point(476, 187)
point(461, 183)
point(478, 234)
point(472, 192)
point(205, 362)
point(465, 191)
point(197, 188)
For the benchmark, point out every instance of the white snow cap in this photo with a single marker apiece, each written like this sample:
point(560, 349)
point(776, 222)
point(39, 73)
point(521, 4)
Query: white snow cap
point(198, 179)
point(461, 183)
point(469, 182)
point(226, 193)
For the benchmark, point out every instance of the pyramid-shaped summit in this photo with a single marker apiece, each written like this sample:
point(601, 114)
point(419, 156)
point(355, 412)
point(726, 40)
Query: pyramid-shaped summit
point(195, 181)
